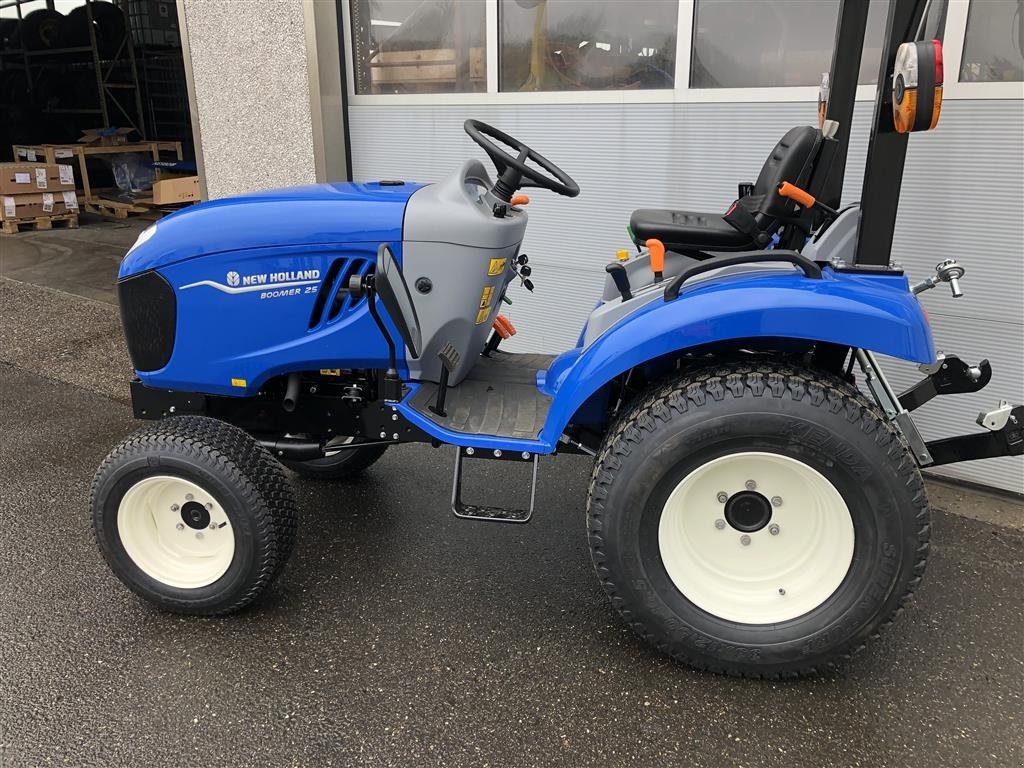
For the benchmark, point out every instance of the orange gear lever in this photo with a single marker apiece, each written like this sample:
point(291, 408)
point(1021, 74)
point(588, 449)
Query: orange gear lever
point(804, 198)
point(656, 248)
point(520, 200)
point(503, 329)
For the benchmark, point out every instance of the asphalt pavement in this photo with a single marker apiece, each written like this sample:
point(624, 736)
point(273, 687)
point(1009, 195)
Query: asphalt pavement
point(400, 636)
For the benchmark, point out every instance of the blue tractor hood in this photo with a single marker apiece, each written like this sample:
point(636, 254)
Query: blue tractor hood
point(340, 212)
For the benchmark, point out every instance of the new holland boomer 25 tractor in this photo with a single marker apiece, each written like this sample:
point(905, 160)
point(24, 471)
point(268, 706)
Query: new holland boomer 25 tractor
point(756, 506)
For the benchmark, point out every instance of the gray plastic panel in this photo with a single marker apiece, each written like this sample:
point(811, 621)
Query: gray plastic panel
point(453, 240)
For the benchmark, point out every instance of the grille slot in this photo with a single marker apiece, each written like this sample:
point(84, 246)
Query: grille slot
point(327, 286)
point(342, 299)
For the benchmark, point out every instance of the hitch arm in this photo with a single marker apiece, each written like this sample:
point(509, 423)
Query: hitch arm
point(1005, 441)
point(949, 376)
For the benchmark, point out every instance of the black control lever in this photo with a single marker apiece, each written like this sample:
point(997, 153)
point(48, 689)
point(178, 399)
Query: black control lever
point(618, 273)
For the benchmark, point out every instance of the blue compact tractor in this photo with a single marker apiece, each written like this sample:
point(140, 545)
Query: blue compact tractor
point(756, 505)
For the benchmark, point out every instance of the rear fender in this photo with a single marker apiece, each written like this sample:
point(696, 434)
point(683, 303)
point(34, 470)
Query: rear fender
point(875, 312)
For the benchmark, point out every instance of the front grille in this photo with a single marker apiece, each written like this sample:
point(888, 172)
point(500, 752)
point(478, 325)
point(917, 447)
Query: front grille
point(149, 315)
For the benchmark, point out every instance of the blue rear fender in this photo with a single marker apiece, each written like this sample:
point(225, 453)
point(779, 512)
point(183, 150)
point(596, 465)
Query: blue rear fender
point(875, 312)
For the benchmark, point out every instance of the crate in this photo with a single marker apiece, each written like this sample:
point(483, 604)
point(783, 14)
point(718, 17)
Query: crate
point(13, 226)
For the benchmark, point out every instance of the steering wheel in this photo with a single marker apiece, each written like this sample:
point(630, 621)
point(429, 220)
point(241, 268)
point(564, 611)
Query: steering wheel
point(512, 169)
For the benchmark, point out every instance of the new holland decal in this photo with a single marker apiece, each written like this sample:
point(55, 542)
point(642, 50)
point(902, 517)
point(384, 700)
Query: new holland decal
point(271, 285)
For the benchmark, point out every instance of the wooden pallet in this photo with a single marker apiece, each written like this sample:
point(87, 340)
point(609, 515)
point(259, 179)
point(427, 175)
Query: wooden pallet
point(119, 209)
point(67, 220)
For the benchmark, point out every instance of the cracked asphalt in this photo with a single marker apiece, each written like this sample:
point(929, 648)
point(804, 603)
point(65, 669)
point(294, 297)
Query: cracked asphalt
point(400, 636)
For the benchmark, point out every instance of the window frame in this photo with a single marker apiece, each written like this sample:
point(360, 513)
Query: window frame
point(682, 93)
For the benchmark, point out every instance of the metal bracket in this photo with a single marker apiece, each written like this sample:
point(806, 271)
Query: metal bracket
point(948, 375)
point(491, 514)
point(1007, 440)
point(890, 403)
point(997, 418)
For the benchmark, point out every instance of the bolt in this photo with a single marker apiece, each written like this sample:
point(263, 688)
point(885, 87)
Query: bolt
point(394, 436)
point(180, 526)
point(383, 435)
point(209, 506)
point(172, 409)
point(526, 455)
point(745, 540)
point(189, 497)
point(394, 417)
point(213, 526)
point(175, 507)
point(470, 451)
point(750, 485)
point(773, 529)
point(723, 497)
point(720, 524)
point(776, 501)
point(199, 534)
point(497, 453)
point(312, 390)
point(782, 591)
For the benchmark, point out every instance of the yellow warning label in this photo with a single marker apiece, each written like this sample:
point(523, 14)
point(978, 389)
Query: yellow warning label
point(485, 297)
point(330, 371)
point(481, 316)
point(238, 383)
point(497, 267)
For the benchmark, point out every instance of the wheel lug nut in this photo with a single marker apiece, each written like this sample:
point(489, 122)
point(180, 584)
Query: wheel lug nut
point(199, 534)
point(180, 526)
point(745, 540)
point(723, 497)
point(720, 524)
point(213, 526)
point(175, 507)
point(776, 501)
point(750, 485)
point(189, 497)
point(209, 506)
point(773, 529)
point(782, 591)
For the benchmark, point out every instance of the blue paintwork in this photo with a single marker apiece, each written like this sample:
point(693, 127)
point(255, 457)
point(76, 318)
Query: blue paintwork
point(341, 212)
point(229, 328)
point(223, 336)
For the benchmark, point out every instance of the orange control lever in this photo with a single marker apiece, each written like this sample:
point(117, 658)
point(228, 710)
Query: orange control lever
point(797, 195)
point(657, 250)
point(520, 200)
point(503, 326)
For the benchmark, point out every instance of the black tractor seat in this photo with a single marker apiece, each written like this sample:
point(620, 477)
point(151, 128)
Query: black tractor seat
point(792, 159)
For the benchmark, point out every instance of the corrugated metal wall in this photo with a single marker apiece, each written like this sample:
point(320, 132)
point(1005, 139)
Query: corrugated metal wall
point(963, 197)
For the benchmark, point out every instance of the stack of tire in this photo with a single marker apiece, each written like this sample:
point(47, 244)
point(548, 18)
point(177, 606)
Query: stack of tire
point(62, 79)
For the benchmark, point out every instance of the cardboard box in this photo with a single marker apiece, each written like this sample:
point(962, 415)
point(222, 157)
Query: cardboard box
point(180, 189)
point(21, 178)
point(105, 137)
point(32, 205)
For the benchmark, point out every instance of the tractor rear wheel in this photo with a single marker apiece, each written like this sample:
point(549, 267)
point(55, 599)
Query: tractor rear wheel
point(757, 520)
point(337, 464)
point(194, 515)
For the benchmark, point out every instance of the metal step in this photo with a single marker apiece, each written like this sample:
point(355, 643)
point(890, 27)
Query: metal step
point(491, 514)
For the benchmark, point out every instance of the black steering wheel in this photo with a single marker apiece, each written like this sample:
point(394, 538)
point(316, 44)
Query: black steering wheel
point(513, 168)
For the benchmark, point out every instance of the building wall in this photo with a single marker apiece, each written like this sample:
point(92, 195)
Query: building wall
point(962, 195)
point(251, 93)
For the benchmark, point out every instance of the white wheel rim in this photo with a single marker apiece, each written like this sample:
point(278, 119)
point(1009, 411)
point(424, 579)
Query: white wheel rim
point(782, 571)
point(155, 535)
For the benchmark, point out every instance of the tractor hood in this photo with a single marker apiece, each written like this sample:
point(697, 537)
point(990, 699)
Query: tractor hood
point(341, 212)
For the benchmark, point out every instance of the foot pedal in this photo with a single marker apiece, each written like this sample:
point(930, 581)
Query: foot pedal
point(491, 514)
point(449, 357)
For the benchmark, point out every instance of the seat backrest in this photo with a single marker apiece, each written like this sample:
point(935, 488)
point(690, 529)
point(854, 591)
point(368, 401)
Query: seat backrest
point(792, 160)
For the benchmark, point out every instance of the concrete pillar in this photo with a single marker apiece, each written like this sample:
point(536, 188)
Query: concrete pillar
point(254, 75)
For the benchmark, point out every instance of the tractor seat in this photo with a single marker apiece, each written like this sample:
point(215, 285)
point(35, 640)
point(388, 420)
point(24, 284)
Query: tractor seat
point(792, 160)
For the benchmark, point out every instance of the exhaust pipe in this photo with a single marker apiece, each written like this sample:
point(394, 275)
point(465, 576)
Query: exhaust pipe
point(291, 393)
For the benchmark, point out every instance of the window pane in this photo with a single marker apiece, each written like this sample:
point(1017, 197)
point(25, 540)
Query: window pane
point(418, 46)
point(994, 42)
point(759, 43)
point(587, 45)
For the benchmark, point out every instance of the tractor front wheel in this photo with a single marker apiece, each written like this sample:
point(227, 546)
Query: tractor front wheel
point(193, 515)
point(761, 521)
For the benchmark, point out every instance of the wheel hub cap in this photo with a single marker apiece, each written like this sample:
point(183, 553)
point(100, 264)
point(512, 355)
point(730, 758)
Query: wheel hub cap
point(741, 557)
point(195, 515)
point(748, 511)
